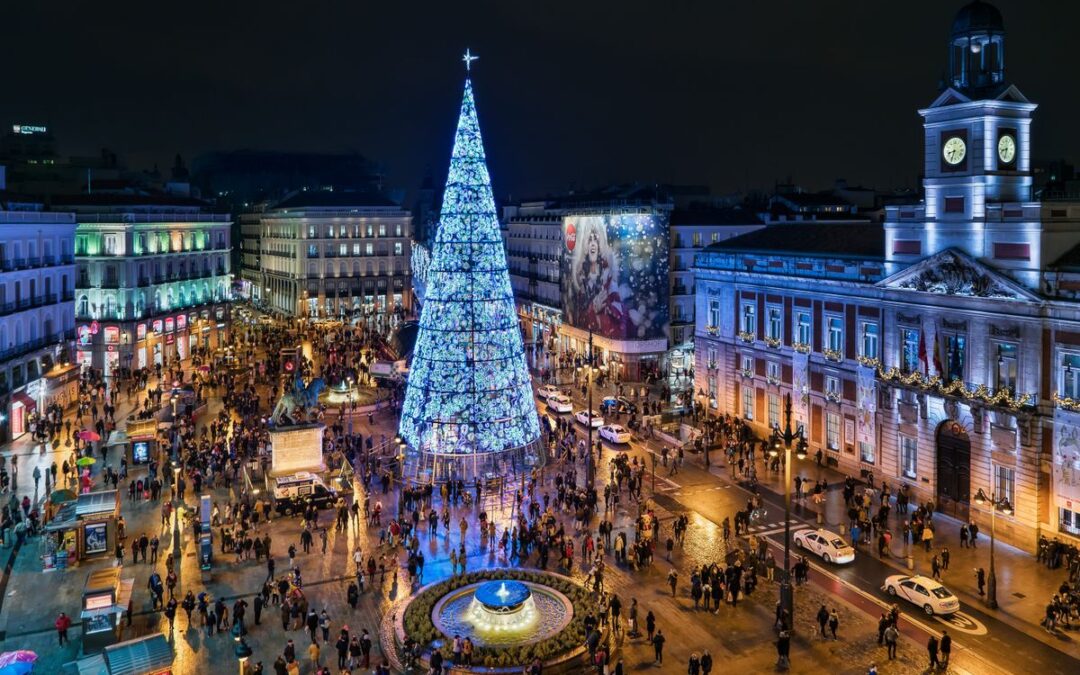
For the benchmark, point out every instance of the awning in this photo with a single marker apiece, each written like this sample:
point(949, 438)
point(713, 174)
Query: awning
point(123, 595)
point(94, 503)
point(117, 437)
point(134, 657)
point(24, 398)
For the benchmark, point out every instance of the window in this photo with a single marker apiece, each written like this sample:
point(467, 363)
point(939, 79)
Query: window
point(343, 250)
point(715, 237)
point(713, 402)
point(955, 358)
point(832, 431)
point(370, 230)
point(313, 251)
point(774, 411)
point(835, 334)
point(748, 364)
point(356, 248)
point(909, 456)
point(695, 240)
point(1070, 376)
point(1005, 484)
point(749, 318)
point(909, 350)
point(369, 249)
point(832, 385)
point(398, 248)
point(748, 403)
point(772, 370)
point(802, 327)
point(775, 326)
point(397, 230)
point(382, 229)
point(330, 231)
point(1005, 368)
point(869, 340)
point(311, 232)
point(714, 313)
point(866, 452)
point(711, 358)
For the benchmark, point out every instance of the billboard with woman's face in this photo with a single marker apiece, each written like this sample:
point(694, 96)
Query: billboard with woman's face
point(614, 275)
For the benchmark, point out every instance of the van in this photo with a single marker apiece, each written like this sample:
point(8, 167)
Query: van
point(292, 492)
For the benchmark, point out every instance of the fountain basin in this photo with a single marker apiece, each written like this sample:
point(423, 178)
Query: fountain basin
point(503, 613)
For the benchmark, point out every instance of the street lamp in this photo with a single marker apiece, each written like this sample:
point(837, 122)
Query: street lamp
point(785, 438)
point(590, 469)
point(243, 652)
point(996, 505)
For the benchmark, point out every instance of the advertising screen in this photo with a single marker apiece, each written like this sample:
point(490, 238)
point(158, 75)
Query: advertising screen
point(140, 452)
point(614, 275)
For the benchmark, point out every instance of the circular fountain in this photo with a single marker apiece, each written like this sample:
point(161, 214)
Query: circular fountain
point(502, 605)
point(503, 612)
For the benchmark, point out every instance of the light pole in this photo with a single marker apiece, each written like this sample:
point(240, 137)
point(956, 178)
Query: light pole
point(785, 438)
point(996, 505)
point(590, 469)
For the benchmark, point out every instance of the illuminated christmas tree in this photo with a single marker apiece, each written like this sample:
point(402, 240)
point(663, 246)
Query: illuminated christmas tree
point(469, 408)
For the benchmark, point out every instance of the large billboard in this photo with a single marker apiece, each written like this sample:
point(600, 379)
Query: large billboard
point(614, 275)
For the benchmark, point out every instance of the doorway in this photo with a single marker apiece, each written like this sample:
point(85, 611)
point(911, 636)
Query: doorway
point(953, 470)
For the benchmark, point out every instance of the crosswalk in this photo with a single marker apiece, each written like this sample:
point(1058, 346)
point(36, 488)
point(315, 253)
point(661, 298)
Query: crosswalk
point(774, 528)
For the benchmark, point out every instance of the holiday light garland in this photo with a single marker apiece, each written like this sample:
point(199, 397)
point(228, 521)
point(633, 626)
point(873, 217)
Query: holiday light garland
point(1002, 397)
point(469, 390)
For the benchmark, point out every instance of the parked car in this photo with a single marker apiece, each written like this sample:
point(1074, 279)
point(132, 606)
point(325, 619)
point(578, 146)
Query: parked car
point(547, 391)
point(931, 595)
point(615, 433)
point(588, 417)
point(824, 544)
point(560, 403)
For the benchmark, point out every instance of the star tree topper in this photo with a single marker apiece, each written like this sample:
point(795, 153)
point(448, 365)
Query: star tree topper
point(468, 59)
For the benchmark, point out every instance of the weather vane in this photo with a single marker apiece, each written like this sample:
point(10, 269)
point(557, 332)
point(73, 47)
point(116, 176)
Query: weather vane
point(468, 59)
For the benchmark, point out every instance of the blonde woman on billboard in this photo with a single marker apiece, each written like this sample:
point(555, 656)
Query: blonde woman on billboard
point(594, 277)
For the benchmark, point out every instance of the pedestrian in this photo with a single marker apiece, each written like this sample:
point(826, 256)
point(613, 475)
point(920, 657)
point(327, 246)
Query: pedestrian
point(823, 620)
point(324, 625)
point(932, 651)
point(834, 622)
point(658, 647)
point(313, 654)
point(973, 528)
point(62, 623)
point(258, 603)
point(783, 648)
point(945, 647)
point(673, 579)
point(963, 535)
point(650, 625)
point(706, 662)
point(980, 580)
point(891, 637)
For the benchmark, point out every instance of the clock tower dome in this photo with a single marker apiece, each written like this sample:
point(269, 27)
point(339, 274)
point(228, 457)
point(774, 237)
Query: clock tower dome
point(977, 144)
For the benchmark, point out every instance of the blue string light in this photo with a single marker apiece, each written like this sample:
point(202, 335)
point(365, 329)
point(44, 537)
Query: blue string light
point(469, 390)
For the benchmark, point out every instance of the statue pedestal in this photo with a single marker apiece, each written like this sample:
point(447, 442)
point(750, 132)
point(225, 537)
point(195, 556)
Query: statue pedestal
point(297, 448)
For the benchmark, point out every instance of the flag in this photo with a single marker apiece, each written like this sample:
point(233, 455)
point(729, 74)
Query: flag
point(922, 350)
point(941, 358)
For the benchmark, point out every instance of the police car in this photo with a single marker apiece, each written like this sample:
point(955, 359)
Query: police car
point(293, 492)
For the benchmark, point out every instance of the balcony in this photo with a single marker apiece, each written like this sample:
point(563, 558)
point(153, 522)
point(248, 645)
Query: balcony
point(27, 303)
point(746, 336)
point(958, 390)
point(834, 355)
point(34, 345)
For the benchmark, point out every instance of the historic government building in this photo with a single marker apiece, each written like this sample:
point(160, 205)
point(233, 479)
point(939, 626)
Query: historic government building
point(940, 349)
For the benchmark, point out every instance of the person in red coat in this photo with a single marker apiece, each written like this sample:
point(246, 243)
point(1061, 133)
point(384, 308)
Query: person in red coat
point(62, 623)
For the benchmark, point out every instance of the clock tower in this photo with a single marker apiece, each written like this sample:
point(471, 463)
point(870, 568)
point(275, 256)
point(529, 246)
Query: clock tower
point(977, 164)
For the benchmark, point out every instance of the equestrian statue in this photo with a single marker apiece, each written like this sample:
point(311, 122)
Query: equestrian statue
point(299, 401)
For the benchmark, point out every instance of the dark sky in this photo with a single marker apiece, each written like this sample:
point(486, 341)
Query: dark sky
point(583, 92)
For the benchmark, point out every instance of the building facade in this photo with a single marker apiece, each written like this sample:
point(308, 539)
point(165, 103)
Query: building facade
point(251, 278)
point(337, 255)
point(536, 241)
point(154, 280)
point(37, 321)
point(940, 350)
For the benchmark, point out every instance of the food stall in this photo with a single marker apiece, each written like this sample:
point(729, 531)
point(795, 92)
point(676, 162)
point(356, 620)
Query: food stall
point(80, 528)
point(105, 598)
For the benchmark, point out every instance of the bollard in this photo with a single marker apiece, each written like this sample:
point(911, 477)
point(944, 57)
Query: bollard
point(843, 529)
point(910, 562)
point(820, 518)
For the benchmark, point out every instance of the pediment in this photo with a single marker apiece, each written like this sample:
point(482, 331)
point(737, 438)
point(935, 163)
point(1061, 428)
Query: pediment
point(952, 272)
point(950, 96)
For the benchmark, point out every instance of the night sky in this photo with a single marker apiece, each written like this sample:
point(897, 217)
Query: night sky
point(728, 94)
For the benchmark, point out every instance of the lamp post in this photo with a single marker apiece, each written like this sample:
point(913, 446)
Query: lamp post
point(590, 469)
point(243, 652)
point(785, 438)
point(996, 505)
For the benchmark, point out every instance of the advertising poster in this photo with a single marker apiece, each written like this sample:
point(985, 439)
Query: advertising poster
point(94, 539)
point(614, 275)
point(800, 384)
point(1067, 458)
point(866, 402)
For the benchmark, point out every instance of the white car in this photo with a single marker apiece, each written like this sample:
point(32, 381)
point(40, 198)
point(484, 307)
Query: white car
point(922, 591)
point(615, 433)
point(828, 546)
point(547, 391)
point(560, 404)
point(587, 417)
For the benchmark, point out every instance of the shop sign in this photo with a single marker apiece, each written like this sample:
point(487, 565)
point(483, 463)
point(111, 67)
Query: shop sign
point(169, 325)
point(157, 326)
point(112, 335)
point(140, 331)
point(170, 338)
point(181, 322)
point(85, 336)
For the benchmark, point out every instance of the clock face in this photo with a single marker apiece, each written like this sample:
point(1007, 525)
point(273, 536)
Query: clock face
point(1006, 149)
point(955, 150)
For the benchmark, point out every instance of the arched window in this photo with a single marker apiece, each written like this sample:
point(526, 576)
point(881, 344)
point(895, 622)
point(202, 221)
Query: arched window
point(84, 306)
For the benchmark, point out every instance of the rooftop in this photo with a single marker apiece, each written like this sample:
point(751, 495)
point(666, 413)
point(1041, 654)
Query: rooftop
point(338, 199)
point(860, 240)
